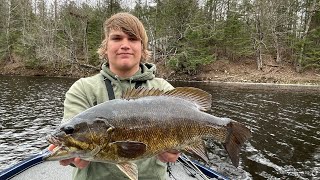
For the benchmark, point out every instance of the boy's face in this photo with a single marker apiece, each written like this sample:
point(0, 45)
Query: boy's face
point(124, 53)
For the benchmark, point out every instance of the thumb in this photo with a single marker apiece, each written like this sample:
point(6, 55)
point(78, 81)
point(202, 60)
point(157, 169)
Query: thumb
point(51, 147)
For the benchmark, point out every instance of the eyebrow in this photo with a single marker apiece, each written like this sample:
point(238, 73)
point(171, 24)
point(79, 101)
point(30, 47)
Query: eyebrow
point(121, 35)
point(115, 35)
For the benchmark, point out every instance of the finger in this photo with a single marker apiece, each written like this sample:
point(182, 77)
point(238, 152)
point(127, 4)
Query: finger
point(66, 162)
point(174, 157)
point(173, 151)
point(51, 147)
point(168, 157)
point(162, 157)
point(80, 163)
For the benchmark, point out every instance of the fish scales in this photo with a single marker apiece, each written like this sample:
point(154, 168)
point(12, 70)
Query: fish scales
point(159, 123)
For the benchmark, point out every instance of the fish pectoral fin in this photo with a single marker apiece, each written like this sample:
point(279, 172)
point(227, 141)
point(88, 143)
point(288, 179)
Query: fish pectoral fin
point(130, 149)
point(199, 151)
point(130, 169)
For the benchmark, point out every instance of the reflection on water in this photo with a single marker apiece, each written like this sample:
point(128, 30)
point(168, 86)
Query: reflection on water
point(285, 125)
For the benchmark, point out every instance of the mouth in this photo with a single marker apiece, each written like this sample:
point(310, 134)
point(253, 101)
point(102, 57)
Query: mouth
point(124, 54)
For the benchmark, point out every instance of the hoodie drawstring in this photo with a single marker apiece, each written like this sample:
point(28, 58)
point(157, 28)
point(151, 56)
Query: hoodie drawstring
point(120, 84)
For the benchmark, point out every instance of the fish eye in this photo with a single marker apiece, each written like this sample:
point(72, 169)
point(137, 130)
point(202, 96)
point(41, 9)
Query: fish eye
point(68, 129)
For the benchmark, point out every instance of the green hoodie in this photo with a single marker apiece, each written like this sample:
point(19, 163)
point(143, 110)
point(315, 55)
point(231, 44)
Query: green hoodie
point(90, 91)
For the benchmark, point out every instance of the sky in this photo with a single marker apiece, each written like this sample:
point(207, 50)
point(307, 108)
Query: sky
point(125, 3)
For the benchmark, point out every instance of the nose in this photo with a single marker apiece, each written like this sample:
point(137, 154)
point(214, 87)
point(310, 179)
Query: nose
point(125, 44)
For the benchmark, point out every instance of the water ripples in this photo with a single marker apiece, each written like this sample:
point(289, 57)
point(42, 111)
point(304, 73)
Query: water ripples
point(285, 130)
point(30, 109)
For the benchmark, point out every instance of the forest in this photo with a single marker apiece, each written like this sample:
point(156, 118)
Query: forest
point(183, 35)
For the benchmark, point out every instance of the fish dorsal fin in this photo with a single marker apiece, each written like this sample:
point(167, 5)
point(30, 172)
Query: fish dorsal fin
point(201, 98)
point(141, 92)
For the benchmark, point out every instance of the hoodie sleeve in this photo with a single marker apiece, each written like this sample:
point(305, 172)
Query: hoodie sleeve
point(75, 101)
point(160, 84)
point(167, 86)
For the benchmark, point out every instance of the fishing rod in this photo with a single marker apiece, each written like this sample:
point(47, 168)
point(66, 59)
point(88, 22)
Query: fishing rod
point(203, 171)
point(24, 165)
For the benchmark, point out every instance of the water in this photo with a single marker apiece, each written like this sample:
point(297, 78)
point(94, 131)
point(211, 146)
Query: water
point(30, 108)
point(285, 125)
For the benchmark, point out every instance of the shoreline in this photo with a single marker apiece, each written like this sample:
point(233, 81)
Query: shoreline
point(228, 75)
point(262, 86)
point(298, 87)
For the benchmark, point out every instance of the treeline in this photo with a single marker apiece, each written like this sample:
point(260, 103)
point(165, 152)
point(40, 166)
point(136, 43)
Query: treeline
point(185, 35)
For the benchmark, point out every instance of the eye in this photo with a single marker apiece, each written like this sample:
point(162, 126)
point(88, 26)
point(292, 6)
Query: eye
point(133, 38)
point(116, 39)
point(68, 129)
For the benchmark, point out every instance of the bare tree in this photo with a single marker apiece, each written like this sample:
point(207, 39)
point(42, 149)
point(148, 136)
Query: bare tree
point(8, 32)
point(307, 15)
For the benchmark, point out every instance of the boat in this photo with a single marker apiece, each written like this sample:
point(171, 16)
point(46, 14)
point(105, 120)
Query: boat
point(36, 168)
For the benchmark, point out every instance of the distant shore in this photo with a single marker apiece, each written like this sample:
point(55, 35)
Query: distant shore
point(265, 86)
point(230, 74)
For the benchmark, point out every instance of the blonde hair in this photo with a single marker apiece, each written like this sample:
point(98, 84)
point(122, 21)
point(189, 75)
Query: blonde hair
point(130, 25)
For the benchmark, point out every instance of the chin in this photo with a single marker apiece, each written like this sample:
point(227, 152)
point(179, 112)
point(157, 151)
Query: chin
point(128, 64)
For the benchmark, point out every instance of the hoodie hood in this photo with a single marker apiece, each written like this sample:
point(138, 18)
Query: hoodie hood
point(146, 72)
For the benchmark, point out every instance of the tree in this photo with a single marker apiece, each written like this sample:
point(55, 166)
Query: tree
point(309, 12)
point(184, 35)
point(3, 29)
point(236, 37)
point(12, 28)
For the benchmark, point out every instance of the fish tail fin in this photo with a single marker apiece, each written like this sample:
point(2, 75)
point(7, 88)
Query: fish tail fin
point(237, 135)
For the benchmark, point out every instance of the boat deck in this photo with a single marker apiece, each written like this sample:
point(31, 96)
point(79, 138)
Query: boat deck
point(52, 170)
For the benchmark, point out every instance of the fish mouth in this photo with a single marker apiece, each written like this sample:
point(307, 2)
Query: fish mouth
point(52, 139)
point(61, 151)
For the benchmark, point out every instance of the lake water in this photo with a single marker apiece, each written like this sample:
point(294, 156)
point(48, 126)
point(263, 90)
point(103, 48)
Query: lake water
point(285, 125)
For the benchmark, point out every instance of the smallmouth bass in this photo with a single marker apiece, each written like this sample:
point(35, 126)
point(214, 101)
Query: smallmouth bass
point(143, 124)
